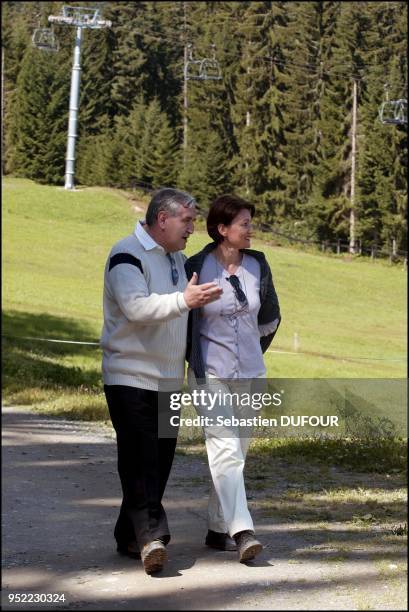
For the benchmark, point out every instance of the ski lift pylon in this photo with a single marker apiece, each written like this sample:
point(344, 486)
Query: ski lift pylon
point(45, 39)
point(81, 17)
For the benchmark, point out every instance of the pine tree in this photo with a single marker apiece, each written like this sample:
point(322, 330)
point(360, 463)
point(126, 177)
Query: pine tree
point(304, 57)
point(97, 159)
point(124, 41)
point(96, 107)
point(383, 156)
point(130, 130)
point(158, 148)
point(163, 47)
point(19, 21)
point(37, 152)
point(204, 173)
point(345, 60)
point(165, 157)
point(258, 108)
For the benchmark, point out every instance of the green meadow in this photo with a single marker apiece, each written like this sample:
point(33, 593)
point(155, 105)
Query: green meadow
point(349, 313)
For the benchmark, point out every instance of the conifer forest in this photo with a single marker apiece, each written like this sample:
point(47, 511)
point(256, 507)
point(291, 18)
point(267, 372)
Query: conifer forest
point(294, 122)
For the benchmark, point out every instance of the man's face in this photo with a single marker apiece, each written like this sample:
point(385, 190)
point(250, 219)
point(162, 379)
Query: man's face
point(177, 228)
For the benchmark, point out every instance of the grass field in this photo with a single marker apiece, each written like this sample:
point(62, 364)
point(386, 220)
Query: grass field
point(349, 313)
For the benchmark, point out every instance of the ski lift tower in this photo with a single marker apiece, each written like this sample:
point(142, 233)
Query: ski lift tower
point(79, 17)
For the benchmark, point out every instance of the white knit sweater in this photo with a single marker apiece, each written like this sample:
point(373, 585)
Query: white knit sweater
point(145, 315)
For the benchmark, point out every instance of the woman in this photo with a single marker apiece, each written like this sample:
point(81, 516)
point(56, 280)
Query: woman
point(226, 342)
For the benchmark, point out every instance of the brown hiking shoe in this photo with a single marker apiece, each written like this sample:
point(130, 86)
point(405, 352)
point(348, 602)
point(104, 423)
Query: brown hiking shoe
point(153, 556)
point(247, 545)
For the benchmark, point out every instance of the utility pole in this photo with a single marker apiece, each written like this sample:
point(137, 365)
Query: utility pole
point(246, 163)
point(79, 17)
point(185, 107)
point(352, 217)
point(185, 100)
point(2, 110)
point(248, 120)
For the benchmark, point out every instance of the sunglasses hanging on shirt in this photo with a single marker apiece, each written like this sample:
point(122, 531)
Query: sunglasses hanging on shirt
point(175, 273)
point(238, 291)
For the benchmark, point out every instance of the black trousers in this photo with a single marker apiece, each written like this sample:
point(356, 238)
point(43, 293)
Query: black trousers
point(144, 462)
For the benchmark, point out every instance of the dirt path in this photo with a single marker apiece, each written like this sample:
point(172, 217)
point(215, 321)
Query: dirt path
point(60, 498)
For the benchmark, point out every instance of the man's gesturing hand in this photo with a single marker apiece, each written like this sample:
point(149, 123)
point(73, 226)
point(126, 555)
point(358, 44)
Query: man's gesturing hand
point(199, 295)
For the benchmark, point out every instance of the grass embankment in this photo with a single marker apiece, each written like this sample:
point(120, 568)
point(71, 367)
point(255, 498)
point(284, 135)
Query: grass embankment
point(350, 315)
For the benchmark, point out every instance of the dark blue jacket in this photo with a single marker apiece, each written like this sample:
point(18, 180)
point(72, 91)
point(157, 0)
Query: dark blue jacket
point(269, 307)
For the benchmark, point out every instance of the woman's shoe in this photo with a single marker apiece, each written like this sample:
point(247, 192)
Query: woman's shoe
point(220, 541)
point(130, 550)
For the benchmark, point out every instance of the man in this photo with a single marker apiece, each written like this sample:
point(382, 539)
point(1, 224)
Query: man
point(146, 304)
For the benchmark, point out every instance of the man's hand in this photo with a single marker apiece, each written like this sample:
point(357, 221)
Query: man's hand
point(199, 295)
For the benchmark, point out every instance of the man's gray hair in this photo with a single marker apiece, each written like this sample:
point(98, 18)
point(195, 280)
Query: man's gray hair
point(170, 200)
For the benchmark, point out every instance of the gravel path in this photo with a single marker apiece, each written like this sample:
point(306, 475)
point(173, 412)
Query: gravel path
point(60, 499)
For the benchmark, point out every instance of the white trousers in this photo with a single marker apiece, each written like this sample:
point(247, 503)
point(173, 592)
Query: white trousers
point(226, 451)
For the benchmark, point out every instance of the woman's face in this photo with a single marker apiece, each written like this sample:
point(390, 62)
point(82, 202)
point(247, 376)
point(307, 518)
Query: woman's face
point(239, 232)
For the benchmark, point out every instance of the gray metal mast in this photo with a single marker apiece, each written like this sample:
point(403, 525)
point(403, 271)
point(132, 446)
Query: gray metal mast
point(79, 17)
point(2, 109)
point(352, 212)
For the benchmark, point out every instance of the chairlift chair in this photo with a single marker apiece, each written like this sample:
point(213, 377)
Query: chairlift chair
point(402, 111)
point(45, 39)
point(192, 70)
point(210, 68)
point(394, 112)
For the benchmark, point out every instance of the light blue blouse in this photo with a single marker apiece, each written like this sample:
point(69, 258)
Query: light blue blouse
point(229, 332)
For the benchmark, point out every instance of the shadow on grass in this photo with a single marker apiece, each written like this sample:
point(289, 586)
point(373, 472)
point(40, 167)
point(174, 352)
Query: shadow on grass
point(47, 365)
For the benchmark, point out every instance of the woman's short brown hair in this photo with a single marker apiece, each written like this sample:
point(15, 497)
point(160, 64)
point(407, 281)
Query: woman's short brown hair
point(223, 210)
